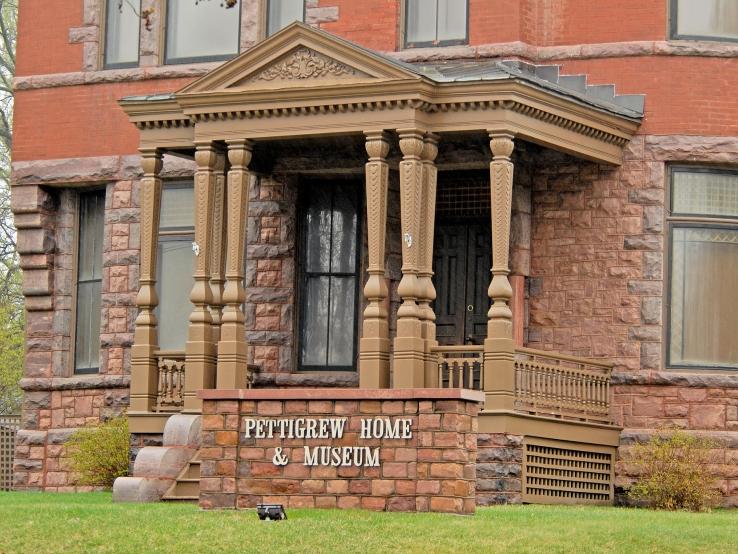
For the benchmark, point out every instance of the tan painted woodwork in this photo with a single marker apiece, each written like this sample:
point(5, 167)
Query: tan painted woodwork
point(217, 254)
point(269, 92)
point(232, 348)
point(374, 347)
point(425, 270)
point(499, 346)
point(409, 351)
point(200, 350)
point(144, 370)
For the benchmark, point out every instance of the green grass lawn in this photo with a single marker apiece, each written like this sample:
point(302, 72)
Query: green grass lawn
point(36, 522)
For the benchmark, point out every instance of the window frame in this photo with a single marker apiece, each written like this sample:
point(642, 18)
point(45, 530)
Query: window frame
point(677, 220)
point(166, 60)
point(75, 290)
point(674, 26)
point(172, 234)
point(104, 41)
point(265, 6)
point(301, 274)
point(429, 44)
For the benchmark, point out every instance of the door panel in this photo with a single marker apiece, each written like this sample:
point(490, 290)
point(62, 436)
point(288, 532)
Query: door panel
point(461, 266)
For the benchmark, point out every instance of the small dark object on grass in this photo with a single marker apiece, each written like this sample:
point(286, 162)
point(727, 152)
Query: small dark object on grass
point(271, 512)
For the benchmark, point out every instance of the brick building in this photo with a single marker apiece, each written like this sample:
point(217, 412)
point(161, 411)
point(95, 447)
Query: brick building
point(602, 137)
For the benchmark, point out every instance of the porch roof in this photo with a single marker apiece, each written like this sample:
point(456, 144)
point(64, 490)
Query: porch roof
point(303, 81)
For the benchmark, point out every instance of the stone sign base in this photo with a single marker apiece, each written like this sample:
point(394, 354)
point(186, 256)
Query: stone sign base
point(378, 449)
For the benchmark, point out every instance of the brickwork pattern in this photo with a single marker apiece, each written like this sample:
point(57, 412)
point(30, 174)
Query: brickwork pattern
point(433, 471)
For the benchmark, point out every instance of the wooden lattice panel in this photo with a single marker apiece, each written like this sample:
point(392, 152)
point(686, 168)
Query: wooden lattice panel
point(557, 472)
point(8, 430)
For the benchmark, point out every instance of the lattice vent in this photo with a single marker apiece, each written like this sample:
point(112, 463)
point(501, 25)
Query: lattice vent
point(463, 194)
point(556, 472)
point(8, 430)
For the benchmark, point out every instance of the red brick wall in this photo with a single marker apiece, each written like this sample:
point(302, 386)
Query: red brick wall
point(43, 37)
point(432, 471)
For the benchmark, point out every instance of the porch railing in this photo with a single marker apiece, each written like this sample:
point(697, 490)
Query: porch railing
point(552, 384)
point(460, 367)
point(170, 395)
point(171, 387)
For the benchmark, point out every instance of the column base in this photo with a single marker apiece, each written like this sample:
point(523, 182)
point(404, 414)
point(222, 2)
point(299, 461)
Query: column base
point(374, 363)
point(409, 363)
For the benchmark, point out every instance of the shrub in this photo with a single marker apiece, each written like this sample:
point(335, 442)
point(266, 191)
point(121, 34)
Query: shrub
point(675, 473)
point(100, 452)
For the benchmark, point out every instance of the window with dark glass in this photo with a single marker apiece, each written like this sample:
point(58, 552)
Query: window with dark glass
point(89, 280)
point(201, 31)
point(175, 264)
point(704, 19)
point(329, 276)
point(122, 28)
point(283, 12)
point(435, 22)
point(703, 227)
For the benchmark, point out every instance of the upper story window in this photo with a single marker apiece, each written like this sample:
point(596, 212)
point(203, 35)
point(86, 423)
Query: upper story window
point(283, 12)
point(201, 31)
point(89, 281)
point(704, 19)
point(122, 27)
point(435, 22)
point(703, 230)
point(176, 261)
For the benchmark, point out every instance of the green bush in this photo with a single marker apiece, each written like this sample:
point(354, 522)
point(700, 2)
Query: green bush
point(100, 453)
point(675, 473)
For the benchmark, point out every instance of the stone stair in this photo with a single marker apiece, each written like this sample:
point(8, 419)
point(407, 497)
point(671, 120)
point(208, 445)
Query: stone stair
point(186, 487)
point(171, 469)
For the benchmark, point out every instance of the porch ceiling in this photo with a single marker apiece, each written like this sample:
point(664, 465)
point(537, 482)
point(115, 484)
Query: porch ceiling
point(303, 82)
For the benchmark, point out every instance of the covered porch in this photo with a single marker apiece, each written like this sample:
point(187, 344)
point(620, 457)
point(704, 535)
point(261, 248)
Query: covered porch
point(413, 123)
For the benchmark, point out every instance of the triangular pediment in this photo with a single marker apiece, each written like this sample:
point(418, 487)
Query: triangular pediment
point(299, 56)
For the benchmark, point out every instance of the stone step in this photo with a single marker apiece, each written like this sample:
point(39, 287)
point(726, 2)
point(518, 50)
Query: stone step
point(181, 498)
point(185, 487)
point(193, 470)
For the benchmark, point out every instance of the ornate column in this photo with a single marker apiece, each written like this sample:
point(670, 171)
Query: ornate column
point(232, 348)
point(144, 366)
point(374, 363)
point(499, 347)
point(409, 352)
point(425, 270)
point(200, 350)
point(217, 255)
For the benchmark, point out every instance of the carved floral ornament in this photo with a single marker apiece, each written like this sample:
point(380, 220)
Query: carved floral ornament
point(304, 63)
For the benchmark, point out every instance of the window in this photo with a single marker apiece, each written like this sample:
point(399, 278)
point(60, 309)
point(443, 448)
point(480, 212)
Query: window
point(704, 19)
point(122, 27)
point(435, 22)
point(175, 264)
point(329, 274)
point(89, 280)
point(703, 226)
point(283, 12)
point(201, 31)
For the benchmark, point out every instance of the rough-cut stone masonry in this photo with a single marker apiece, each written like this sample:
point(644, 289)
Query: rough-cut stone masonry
point(432, 471)
point(499, 469)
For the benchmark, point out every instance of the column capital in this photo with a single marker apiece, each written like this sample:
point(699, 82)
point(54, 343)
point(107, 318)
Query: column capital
point(411, 143)
point(501, 144)
point(206, 154)
point(152, 161)
point(377, 145)
point(430, 147)
point(240, 152)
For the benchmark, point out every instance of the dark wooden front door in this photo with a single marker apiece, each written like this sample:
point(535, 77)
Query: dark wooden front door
point(462, 258)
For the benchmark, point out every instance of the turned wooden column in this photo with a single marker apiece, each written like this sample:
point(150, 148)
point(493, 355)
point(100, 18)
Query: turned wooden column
point(200, 350)
point(217, 252)
point(425, 269)
point(499, 347)
point(144, 366)
point(409, 345)
point(232, 348)
point(374, 347)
